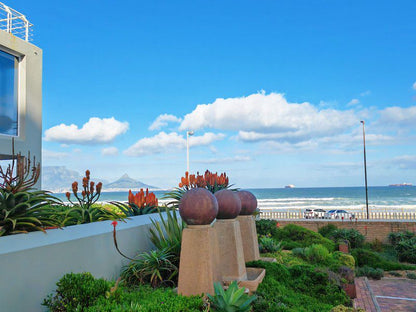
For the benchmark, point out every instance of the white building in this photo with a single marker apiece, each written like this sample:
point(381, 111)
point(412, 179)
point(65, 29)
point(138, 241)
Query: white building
point(20, 87)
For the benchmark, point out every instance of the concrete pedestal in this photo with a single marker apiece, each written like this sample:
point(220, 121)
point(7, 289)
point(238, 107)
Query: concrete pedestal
point(230, 246)
point(196, 268)
point(249, 238)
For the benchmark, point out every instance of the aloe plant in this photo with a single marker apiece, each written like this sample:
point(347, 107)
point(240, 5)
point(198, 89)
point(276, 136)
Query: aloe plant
point(231, 300)
point(166, 234)
point(26, 211)
point(131, 209)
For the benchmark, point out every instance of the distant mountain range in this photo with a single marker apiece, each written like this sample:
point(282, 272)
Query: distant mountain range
point(58, 179)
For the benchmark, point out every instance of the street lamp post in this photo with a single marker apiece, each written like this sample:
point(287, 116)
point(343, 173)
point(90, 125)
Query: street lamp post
point(365, 171)
point(188, 134)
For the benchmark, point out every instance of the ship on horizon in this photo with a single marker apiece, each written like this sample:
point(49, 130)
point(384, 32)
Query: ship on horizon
point(401, 184)
point(290, 186)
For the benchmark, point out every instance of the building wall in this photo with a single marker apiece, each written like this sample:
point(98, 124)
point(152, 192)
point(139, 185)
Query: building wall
point(373, 229)
point(31, 264)
point(30, 98)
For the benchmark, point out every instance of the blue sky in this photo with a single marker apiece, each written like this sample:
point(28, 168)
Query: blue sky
point(275, 90)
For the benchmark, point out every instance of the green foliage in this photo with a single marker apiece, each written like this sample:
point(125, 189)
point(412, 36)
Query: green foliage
point(344, 259)
point(300, 288)
point(394, 273)
point(26, 211)
point(166, 234)
point(342, 308)
point(317, 253)
point(153, 267)
point(131, 209)
point(75, 292)
point(268, 244)
point(364, 257)
point(327, 230)
point(293, 236)
point(405, 245)
point(396, 237)
point(411, 275)
point(355, 238)
point(266, 227)
point(147, 299)
point(346, 273)
point(370, 272)
point(83, 214)
point(231, 300)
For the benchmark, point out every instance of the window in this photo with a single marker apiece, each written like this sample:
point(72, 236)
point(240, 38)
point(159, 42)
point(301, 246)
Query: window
point(8, 94)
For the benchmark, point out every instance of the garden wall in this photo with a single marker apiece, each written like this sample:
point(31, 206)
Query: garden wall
point(31, 264)
point(373, 229)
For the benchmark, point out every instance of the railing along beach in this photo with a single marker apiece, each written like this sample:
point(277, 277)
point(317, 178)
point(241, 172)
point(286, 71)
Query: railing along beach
point(357, 215)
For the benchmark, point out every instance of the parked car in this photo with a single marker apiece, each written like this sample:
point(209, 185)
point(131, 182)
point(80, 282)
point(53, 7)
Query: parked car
point(338, 214)
point(314, 213)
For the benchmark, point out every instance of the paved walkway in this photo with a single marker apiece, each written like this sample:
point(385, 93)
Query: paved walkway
point(386, 295)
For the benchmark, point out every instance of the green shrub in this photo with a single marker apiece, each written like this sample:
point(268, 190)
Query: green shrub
point(153, 267)
point(317, 253)
point(147, 299)
point(266, 227)
point(394, 273)
point(268, 244)
point(396, 237)
point(293, 236)
point(370, 258)
point(231, 300)
point(411, 275)
point(75, 292)
point(302, 288)
point(355, 238)
point(346, 273)
point(342, 308)
point(370, 272)
point(344, 259)
point(327, 230)
point(406, 250)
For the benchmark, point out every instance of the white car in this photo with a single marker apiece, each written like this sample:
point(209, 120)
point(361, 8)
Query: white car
point(314, 213)
point(339, 214)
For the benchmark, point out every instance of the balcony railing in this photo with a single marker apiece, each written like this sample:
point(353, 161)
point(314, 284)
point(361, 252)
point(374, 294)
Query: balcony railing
point(358, 215)
point(15, 23)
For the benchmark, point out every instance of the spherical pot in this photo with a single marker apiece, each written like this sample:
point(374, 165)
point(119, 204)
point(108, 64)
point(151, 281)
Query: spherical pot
point(248, 203)
point(229, 204)
point(198, 207)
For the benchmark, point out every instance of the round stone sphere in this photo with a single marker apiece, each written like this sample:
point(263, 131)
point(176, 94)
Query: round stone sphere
point(229, 204)
point(198, 206)
point(248, 203)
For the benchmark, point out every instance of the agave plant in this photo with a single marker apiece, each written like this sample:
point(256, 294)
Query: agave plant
point(26, 211)
point(166, 234)
point(154, 267)
point(231, 300)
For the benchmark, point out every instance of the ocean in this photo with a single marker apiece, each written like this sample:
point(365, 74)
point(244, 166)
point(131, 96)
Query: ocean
point(380, 198)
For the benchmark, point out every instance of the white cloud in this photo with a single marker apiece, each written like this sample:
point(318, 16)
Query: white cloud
point(162, 121)
point(414, 85)
point(268, 116)
point(48, 154)
point(398, 116)
point(237, 158)
point(405, 161)
point(109, 151)
point(166, 142)
point(353, 102)
point(365, 93)
point(95, 131)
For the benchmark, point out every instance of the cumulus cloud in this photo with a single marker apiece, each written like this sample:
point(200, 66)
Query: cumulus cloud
point(405, 161)
point(95, 131)
point(109, 151)
point(353, 102)
point(269, 116)
point(163, 120)
point(414, 85)
point(166, 142)
point(48, 154)
point(398, 116)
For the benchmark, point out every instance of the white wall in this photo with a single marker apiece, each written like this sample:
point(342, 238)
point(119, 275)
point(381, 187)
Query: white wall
point(31, 264)
point(30, 97)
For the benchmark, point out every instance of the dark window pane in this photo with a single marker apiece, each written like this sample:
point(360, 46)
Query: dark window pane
point(8, 94)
